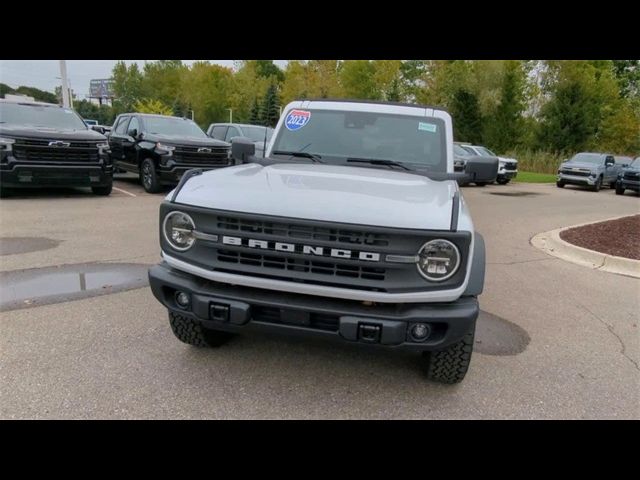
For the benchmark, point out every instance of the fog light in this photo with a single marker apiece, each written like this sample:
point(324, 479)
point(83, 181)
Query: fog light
point(420, 331)
point(182, 299)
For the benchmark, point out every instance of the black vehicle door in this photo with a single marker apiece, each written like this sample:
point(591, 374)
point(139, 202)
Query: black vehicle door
point(130, 142)
point(115, 140)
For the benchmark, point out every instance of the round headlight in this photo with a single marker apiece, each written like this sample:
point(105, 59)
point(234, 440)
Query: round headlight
point(438, 260)
point(178, 230)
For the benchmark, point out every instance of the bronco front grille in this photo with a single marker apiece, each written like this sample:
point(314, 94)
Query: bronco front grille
point(41, 151)
point(312, 252)
point(327, 268)
point(510, 166)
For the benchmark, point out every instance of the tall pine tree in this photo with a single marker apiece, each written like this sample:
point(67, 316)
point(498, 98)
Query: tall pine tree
point(270, 111)
point(467, 121)
point(254, 118)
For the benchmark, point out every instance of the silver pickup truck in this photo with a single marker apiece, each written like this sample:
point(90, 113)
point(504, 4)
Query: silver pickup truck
point(591, 170)
point(352, 228)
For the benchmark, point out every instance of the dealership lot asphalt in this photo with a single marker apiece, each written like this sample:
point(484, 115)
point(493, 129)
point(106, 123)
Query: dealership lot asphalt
point(557, 340)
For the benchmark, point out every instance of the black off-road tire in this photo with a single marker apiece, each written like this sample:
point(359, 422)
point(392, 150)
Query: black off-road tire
point(560, 184)
point(481, 184)
point(613, 184)
point(503, 181)
point(598, 185)
point(192, 332)
point(149, 176)
point(451, 364)
point(620, 189)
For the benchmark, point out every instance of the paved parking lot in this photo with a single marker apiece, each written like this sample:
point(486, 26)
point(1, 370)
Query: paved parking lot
point(555, 340)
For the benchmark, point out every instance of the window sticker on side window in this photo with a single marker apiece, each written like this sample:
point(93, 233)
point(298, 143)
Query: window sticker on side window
point(296, 119)
point(427, 127)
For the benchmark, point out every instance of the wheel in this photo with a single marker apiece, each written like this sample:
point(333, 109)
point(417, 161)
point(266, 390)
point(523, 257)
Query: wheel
point(103, 190)
point(480, 184)
point(560, 184)
point(598, 185)
point(619, 190)
point(503, 181)
point(192, 332)
point(149, 177)
point(451, 364)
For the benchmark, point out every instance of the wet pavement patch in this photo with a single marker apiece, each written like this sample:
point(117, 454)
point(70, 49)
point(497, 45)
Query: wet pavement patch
point(515, 194)
point(497, 336)
point(43, 286)
point(15, 245)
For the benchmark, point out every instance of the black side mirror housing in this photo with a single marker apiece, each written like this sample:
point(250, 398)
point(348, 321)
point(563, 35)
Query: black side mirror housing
point(133, 133)
point(242, 148)
point(481, 169)
point(98, 128)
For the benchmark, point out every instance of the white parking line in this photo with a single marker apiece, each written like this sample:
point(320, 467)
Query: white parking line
point(124, 191)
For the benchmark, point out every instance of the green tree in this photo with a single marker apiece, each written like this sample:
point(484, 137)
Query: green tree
point(268, 69)
point(127, 86)
point(205, 89)
point(150, 105)
point(504, 127)
point(270, 111)
point(254, 119)
point(358, 80)
point(467, 121)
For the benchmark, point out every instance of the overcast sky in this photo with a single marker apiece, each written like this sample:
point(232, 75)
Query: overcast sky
point(42, 73)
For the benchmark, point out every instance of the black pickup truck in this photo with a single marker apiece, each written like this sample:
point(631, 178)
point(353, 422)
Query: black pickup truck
point(161, 148)
point(46, 145)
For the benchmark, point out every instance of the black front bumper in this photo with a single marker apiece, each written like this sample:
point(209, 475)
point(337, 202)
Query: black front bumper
point(233, 308)
point(19, 174)
point(171, 172)
point(629, 184)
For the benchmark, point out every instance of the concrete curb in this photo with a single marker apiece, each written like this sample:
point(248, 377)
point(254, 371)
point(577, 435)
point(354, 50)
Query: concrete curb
point(551, 243)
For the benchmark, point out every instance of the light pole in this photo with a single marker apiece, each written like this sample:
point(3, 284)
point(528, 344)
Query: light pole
point(65, 86)
point(230, 115)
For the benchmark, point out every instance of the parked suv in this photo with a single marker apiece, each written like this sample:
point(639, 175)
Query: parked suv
point(629, 178)
point(161, 148)
point(258, 134)
point(352, 228)
point(588, 169)
point(46, 145)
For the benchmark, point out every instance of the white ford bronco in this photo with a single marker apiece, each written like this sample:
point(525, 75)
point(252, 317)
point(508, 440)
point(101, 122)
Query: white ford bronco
point(352, 227)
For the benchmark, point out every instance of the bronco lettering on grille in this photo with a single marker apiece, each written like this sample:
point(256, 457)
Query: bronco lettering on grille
point(302, 249)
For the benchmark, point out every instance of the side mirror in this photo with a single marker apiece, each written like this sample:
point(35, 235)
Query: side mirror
point(242, 148)
point(133, 133)
point(482, 169)
point(98, 128)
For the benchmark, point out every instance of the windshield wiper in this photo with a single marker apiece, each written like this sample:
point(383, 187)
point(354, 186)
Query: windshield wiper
point(312, 156)
point(389, 163)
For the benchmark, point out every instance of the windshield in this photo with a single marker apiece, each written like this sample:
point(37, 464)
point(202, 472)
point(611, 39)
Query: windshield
point(635, 163)
point(587, 158)
point(257, 133)
point(173, 126)
point(40, 116)
point(458, 150)
point(470, 150)
point(91, 122)
point(486, 151)
point(339, 135)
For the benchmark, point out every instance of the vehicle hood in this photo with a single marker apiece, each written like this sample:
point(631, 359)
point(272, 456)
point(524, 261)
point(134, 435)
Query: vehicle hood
point(331, 193)
point(509, 160)
point(50, 133)
point(633, 169)
point(586, 165)
point(184, 140)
